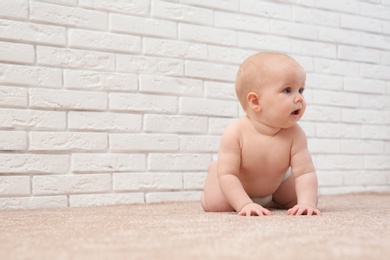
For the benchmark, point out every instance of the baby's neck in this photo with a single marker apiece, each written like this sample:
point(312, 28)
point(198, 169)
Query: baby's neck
point(264, 128)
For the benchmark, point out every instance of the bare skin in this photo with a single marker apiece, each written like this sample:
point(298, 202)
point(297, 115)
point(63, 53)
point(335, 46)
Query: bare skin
point(257, 150)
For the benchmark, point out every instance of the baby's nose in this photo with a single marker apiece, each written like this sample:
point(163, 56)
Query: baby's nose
point(298, 98)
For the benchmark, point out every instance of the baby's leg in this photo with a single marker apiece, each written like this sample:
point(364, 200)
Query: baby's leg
point(212, 198)
point(285, 196)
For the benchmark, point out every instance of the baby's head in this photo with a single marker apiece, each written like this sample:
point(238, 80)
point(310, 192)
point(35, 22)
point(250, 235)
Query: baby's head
point(256, 72)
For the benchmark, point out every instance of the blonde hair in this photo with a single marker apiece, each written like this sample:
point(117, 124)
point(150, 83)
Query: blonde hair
point(254, 70)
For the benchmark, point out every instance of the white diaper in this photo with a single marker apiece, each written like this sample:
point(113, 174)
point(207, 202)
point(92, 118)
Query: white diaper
point(265, 200)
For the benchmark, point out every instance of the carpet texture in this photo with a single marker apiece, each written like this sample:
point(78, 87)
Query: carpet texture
point(354, 226)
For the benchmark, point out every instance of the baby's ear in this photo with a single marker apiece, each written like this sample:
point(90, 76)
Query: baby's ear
point(253, 100)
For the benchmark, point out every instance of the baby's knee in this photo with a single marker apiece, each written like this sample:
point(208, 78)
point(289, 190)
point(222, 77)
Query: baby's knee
point(215, 205)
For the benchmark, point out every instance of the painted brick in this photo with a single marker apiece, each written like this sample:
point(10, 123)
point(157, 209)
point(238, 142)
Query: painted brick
point(70, 16)
point(73, 58)
point(67, 141)
point(316, 16)
point(376, 102)
point(170, 85)
point(13, 96)
point(105, 199)
point(263, 42)
point(142, 26)
point(69, 184)
point(330, 178)
point(178, 162)
point(361, 146)
point(322, 81)
point(377, 162)
point(142, 102)
point(266, 9)
point(13, 140)
point(43, 98)
point(211, 71)
point(322, 113)
point(193, 180)
point(30, 32)
point(14, 185)
point(362, 116)
point(104, 121)
point(149, 65)
point(290, 29)
point(195, 106)
point(38, 202)
point(375, 40)
point(324, 146)
point(365, 178)
point(107, 162)
point(357, 22)
point(349, 6)
point(376, 131)
point(376, 71)
point(182, 13)
point(143, 142)
point(104, 41)
point(34, 163)
point(14, 9)
point(31, 76)
point(92, 80)
point(175, 124)
point(139, 7)
point(203, 34)
point(332, 130)
point(335, 98)
point(175, 49)
point(224, 54)
point(359, 54)
point(241, 22)
point(231, 5)
point(220, 90)
point(19, 118)
point(339, 162)
point(147, 181)
point(364, 85)
point(337, 67)
point(15, 52)
point(336, 35)
point(375, 10)
point(311, 48)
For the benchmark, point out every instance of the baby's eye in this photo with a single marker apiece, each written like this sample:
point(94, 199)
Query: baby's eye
point(301, 90)
point(287, 90)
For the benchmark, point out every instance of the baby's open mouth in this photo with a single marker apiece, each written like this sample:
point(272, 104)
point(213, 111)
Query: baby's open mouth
point(295, 112)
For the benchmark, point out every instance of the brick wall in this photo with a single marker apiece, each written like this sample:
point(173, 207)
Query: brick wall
point(109, 102)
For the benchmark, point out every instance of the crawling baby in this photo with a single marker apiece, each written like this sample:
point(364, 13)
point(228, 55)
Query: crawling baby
point(263, 160)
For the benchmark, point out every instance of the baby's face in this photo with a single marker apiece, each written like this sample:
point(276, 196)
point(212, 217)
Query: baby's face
point(281, 96)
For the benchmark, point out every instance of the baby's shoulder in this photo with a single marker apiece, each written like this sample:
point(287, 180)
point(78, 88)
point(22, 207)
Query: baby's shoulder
point(296, 133)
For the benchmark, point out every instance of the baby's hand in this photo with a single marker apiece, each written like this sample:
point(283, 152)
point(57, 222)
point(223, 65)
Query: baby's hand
point(301, 209)
point(253, 209)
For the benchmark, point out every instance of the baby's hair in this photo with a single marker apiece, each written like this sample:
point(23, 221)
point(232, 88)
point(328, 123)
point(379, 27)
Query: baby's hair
point(252, 71)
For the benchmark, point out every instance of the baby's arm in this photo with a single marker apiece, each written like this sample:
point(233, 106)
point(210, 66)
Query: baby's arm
point(229, 160)
point(305, 177)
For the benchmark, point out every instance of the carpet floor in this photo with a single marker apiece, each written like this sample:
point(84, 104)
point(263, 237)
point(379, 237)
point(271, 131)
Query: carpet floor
point(353, 226)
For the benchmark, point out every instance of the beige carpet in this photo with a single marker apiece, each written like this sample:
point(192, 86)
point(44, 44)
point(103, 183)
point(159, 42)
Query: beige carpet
point(355, 226)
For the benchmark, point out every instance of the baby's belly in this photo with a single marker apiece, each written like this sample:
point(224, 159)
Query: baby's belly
point(262, 184)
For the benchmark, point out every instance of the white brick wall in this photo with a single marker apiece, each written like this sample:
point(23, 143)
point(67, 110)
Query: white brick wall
point(110, 102)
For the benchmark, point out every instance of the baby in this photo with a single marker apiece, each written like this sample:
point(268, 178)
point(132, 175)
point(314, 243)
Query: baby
point(263, 160)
